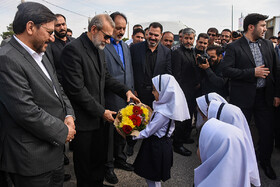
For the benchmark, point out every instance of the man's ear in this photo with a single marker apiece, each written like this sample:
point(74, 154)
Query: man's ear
point(30, 27)
point(251, 27)
point(93, 29)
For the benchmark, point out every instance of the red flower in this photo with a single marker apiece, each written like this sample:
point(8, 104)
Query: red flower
point(137, 110)
point(127, 129)
point(135, 119)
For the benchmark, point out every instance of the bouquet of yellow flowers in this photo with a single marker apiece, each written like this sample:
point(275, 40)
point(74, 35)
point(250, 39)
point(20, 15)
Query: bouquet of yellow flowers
point(132, 117)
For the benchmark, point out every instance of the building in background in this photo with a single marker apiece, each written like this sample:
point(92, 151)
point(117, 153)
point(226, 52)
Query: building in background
point(273, 26)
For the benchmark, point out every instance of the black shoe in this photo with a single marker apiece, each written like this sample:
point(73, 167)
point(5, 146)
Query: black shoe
point(111, 177)
point(129, 150)
point(107, 185)
point(66, 159)
point(182, 151)
point(124, 166)
point(67, 177)
point(268, 171)
point(189, 141)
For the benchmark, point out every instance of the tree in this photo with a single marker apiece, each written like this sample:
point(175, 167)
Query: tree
point(8, 33)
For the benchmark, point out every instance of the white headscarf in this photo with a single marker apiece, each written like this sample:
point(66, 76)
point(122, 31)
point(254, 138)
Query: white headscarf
point(233, 115)
point(203, 102)
point(172, 102)
point(223, 156)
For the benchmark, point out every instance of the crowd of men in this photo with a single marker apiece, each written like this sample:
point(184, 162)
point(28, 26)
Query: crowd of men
point(56, 89)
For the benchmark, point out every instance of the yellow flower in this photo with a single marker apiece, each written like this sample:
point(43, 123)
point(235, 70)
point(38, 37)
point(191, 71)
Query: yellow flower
point(126, 121)
point(145, 112)
point(127, 111)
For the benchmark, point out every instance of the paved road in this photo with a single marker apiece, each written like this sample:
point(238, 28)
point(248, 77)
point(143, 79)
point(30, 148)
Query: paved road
point(182, 170)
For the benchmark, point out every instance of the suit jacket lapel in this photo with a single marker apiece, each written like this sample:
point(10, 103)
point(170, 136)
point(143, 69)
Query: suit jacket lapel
point(89, 51)
point(262, 49)
point(115, 55)
point(29, 58)
point(54, 82)
point(142, 55)
point(159, 57)
point(245, 46)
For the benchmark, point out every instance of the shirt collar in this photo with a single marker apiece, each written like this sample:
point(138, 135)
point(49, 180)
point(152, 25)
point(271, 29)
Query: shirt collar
point(113, 41)
point(29, 50)
point(257, 41)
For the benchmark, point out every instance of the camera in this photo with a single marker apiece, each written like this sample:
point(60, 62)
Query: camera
point(236, 34)
point(201, 59)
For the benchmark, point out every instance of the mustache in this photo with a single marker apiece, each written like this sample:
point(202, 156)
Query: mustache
point(62, 30)
point(120, 35)
point(153, 40)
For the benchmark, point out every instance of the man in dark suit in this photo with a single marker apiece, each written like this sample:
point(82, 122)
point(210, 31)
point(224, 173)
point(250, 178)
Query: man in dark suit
point(149, 58)
point(36, 116)
point(184, 69)
point(119, 65)
point(86, 80)
point(61, 39)
point(252, 66)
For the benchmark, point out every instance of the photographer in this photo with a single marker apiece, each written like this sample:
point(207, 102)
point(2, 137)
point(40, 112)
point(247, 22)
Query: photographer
point(236, 35)
point(212, 80)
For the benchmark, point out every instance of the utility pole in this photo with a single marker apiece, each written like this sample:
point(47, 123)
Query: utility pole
point(231, 17)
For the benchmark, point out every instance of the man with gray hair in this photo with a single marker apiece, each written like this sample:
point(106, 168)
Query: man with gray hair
point(85, 77)
point(185, 71)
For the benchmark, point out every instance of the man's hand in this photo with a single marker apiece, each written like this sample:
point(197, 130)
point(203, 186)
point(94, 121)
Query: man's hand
point(108, 115)
point(276, 101)
point(204, 66)
point(261, 72)
point(71, 133)
point(130, 95)
point(69, 120)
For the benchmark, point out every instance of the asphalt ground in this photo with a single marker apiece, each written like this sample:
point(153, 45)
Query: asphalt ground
point(182, 172)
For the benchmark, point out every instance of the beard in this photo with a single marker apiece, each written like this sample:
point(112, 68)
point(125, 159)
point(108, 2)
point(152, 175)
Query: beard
point(153, 44)
point(97, 43)
point(59, 34)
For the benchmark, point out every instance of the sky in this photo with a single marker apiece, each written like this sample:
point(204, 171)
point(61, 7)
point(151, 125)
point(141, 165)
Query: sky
point(197, 14)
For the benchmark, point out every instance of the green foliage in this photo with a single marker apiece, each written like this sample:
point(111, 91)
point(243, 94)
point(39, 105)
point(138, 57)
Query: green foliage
point(8, 33)
point(124, 39)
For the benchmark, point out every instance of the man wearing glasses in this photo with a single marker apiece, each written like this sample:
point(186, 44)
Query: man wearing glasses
point(36, 116)
point(213, 34)
point(119, 65)
point(86, 80)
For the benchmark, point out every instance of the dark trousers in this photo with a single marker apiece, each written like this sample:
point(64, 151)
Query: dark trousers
point(89, 156)
point(183, 129)
point(3, 179)
point(277, 126)
point(54, 178)
point(130, 141)
point(263, 115)
point(116, 144)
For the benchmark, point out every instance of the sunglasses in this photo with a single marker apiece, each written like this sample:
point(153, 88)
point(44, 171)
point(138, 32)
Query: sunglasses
point(48, 30)
point(211, 34)
point(106, 36)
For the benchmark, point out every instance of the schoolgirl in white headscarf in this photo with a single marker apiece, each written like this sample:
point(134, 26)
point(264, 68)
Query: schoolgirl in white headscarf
point(155, 157)
point(233, 115)
point(223, 155)
point(203, 103)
